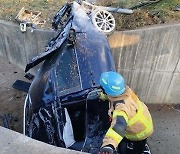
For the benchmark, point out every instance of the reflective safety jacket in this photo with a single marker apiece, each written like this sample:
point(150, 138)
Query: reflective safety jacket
point(130, 119)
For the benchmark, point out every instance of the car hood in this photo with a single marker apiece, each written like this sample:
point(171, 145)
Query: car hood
point(92, 49)
point(93, 52)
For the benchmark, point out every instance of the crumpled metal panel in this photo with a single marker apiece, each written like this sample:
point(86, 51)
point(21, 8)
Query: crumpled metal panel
point(46, 125)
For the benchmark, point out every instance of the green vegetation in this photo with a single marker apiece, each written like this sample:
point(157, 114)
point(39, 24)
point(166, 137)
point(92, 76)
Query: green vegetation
point(162, 12)
point(157, 13)
point(165, 10)
point(48, 8)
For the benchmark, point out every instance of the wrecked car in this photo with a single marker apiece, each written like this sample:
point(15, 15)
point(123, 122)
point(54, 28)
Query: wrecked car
point(62, 106)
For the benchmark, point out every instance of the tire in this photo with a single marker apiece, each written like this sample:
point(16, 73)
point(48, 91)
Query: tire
point(103, 21)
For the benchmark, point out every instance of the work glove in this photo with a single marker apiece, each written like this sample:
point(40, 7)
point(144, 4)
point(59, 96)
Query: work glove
point(103, 96)
point(108, 149)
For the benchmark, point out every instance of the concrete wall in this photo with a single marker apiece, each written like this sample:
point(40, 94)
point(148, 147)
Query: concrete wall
point(16, 143)
point(151, 62)
point(149, 58)
point(19, 48)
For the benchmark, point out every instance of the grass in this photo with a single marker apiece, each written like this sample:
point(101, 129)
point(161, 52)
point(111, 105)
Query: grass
point(48, 8)
point(162, 12)
point(165, 10)
point(158, 13)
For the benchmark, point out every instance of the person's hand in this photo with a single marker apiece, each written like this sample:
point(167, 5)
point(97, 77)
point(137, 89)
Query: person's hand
point(108, 149)
point(103, 96)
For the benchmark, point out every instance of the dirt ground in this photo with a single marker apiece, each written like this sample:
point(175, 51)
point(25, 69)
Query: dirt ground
point(11, 100)
point(165, 139)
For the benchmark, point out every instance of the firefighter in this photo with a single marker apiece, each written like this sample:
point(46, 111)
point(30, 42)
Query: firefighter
point(131, 120)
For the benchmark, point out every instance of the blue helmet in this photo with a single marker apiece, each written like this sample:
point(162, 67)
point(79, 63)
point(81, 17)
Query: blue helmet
point(112, 83)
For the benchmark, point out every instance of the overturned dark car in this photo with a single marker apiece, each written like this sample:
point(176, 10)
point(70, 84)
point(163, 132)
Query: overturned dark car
point(62, 107)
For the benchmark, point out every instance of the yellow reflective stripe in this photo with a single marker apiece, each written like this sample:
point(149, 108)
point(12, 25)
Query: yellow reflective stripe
point(145, 121)
point(138, 115)
point(112, 134)
point(142, 134)
point(120, 113)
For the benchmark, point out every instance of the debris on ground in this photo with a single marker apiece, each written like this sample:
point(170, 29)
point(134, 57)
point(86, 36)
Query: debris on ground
point(29, 18)
point(29, 76)
point(160, 11)
point(144, 3)
point(21, 85)
point(177, 8)
point(177, 107)
point(7, 121)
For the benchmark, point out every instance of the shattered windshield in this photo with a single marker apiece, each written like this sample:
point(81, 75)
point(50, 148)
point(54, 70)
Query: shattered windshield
point(67, 71)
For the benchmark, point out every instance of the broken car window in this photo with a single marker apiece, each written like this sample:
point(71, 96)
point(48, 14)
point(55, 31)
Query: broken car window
point(67, 70)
